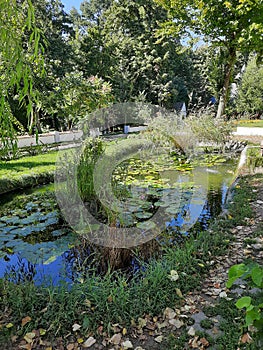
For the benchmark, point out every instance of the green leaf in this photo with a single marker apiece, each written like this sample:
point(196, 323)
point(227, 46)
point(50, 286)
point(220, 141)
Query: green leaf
point(257, 275)
point(243, 302)
point(251, 316)
point(234, 273)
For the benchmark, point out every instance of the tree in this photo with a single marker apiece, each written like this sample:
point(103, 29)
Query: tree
point(18, 60)
point(119, 42)
point(75, 97)
point(235, 25)
point(250, 93)
point(58, 59)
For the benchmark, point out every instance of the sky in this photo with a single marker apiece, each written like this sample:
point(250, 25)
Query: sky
point(71, 3)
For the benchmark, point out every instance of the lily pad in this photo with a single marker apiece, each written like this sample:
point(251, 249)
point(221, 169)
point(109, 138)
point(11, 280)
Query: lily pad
point(146, 225)
point(143, 215)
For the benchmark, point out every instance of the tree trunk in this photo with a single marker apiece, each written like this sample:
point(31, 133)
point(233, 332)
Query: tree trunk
point(228, 76)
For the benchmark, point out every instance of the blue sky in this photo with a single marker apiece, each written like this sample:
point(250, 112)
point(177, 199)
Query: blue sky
point(71, 3)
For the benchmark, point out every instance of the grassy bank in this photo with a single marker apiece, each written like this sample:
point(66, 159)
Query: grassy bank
point(98, 303)
point(27, 171)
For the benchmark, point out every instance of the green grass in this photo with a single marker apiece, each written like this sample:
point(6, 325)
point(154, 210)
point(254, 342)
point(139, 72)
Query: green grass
point(115, 298)
point(27, 171)
point(250, 123)
point(27, 165)
point(254, 158)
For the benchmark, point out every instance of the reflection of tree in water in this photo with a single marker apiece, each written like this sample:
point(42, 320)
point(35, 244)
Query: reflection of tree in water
point(215, 201)
point(20, 272)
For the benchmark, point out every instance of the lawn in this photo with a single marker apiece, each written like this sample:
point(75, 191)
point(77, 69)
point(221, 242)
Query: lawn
point(28, 165)
point(27, 171)
point(258, 123)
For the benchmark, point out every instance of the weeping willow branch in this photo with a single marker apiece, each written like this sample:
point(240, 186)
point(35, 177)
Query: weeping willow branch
point(20, 55)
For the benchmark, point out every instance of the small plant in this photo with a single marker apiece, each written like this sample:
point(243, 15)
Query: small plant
point(206, 323)
point(93, 149)
point(253, 308)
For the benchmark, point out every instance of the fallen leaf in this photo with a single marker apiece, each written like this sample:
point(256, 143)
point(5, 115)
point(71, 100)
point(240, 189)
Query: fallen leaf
point(76, 327)
point(25, 320)
point(42, 331)
point(26, 346)
point(222, 295)
point(9, 325)
point(173, 275)
point(169, 313)
point(29, 337)
point(246, 338)
point(162, 325)
point(14, 338)
point(176, 323)
point(70, 346)
point(141, 322)
point(115, 339)
point(80, 340)
point(159, 339)
point(127, 345)
point(191, 331)
point(193, 343)
point(204, 341)
point(124, 331)
point(179, 293)
point(89, 342)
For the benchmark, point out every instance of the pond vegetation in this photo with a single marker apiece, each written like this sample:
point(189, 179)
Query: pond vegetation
point(37, 244)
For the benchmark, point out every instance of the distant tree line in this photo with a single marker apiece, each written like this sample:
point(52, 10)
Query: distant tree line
point(57, 67)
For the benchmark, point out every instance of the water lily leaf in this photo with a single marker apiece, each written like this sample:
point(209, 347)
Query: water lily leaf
point(58, 233)
point(7, 229)
point(143, 215)
point(24, 231)
point(172, 210)
point(146, 225)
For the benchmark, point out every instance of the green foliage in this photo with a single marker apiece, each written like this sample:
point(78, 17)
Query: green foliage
point(254, 310)
point(75, 97)
point(93, 148)
point(20, 55)
point(138, 62)
point(254, 158)
point(249, 100)
point(234, 25)
point(210, 129)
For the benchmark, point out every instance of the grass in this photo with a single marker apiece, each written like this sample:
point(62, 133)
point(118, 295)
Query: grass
point(258, 123)
point(27, 171)
point(254, 158)
point(113, 298)
point(27, 165)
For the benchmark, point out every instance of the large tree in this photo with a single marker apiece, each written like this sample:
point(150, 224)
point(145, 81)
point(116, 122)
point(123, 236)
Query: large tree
point(250, 92)
point(120, 43)
point(235, 25)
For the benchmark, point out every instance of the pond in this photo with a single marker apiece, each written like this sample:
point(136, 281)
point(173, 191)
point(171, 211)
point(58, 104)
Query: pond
point(37, 244)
